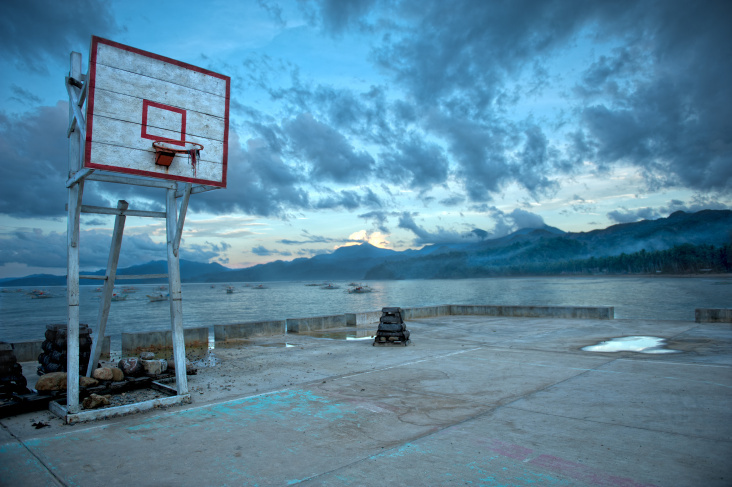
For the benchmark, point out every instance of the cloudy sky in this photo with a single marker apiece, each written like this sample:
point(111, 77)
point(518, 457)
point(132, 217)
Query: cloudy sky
point(399, 123)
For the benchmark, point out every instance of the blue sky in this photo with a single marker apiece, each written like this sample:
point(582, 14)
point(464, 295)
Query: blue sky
point(399, 123)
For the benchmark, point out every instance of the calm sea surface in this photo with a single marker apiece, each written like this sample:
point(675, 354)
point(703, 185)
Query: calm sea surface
point(664, 298)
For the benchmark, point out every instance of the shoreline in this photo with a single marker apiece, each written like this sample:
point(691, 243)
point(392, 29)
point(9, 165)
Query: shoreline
point(715, 275)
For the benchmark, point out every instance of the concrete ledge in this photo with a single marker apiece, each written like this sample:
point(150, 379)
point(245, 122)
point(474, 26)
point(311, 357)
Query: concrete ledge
point(29, 351)
point(61, 411)
point(368, 317)
point(712, 315)
point(577, 312)
point(239, 331)
point(297, 325)
point(426, 312)
point(155, 341)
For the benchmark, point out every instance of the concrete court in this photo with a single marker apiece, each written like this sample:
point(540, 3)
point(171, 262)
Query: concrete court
point(474, 401)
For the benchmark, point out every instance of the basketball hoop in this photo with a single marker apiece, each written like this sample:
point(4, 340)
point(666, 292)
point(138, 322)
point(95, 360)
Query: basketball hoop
point(165, 152)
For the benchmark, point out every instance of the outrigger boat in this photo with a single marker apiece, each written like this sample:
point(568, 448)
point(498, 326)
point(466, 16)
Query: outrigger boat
point(360, 290)
point(41, 295)
point(156, 297)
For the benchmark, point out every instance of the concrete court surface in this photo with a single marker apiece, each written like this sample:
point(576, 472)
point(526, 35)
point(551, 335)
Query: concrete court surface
point(474, 400)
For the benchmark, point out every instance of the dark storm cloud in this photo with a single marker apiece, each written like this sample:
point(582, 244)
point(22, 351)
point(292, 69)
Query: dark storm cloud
point(453, 201)
point(698, 203)
point(517, 219)
point(469, 48)
point(490, 155)
point(23, 96)
point(274, 10)
point(349, 200)
point(660, 100)
point(265, 252)
point(627, 216)
point(330, 155)
point(503, 224)
point(479, 151)
point(535, 160)
point(35, 168)
point(259, 183)
point(308, 239)
point(415, 164)
point(35, 162)
point(38, 249)
point(34, 32)
point(379, 218)
point(425, 237)
point(337, 15)
point(674, 121)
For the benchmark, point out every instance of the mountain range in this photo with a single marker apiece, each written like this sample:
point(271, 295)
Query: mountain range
point(521, 251)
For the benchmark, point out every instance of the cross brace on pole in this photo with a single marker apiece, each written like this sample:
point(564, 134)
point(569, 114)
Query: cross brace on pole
point(106, 301)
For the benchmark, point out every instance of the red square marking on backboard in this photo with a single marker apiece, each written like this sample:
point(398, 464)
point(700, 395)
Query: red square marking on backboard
point(146, 104)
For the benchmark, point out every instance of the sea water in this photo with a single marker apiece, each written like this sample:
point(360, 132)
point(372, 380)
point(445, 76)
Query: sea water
point(658, 298)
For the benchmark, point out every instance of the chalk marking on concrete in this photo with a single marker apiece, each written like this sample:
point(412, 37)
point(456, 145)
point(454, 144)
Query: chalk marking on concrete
point(38, 461)
point(78, 429)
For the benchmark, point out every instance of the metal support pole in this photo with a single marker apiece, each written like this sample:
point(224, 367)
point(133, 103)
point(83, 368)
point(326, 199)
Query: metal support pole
point(111, 274)
point(72, 257)
point(176, 297)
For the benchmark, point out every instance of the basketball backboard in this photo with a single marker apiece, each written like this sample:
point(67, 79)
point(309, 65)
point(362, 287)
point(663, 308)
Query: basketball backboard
point(136, 98)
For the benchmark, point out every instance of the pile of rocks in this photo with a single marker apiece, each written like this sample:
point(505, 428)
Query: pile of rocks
point(146, 364)
point(53, 357)
point(100, 389)
point(11, 372)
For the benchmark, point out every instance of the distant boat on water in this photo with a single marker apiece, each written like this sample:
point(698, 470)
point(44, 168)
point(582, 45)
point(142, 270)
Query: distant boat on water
point(360, 290)
point(156, 297)
point(41, 295)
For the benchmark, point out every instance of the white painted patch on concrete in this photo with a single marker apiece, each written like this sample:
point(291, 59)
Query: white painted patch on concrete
point(640, 344)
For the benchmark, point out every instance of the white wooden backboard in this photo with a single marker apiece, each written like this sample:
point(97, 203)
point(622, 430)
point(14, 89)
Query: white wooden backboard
point(136, 98)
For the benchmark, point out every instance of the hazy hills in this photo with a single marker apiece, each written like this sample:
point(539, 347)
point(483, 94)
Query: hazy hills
point(705, 238)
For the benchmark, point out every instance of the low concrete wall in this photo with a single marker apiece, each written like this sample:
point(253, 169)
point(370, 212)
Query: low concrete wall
point(368, 317)
point(425, 312)
point(576, 312)
point(134, 343)
point(315, 323)
point(241, 331)
point(158, 341)
point(29, 351)
point(713, 315)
